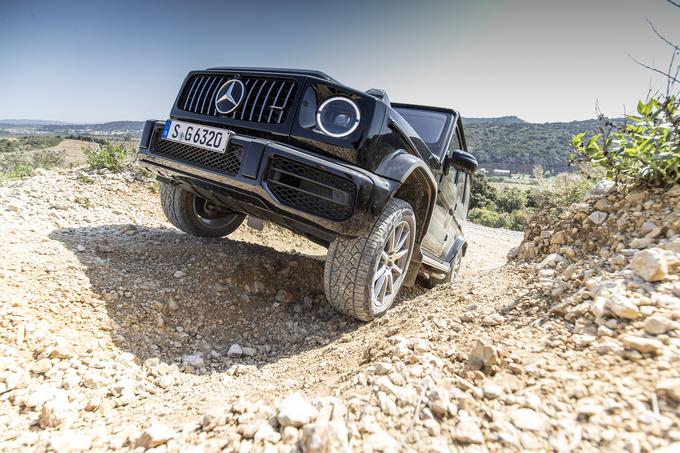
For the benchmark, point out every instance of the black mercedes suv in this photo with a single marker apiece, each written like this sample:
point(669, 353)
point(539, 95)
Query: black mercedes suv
point(384, 186)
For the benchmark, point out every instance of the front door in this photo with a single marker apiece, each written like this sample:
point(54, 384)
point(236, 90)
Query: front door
point(437, 236)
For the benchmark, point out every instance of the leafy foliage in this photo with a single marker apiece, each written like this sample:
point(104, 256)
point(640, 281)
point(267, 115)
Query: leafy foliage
point(511, 200)
point(644, 152)
point(513, 207)
point(497, 209)
point(486, 217)
point(554, 195)
point(482, 192)
point(29, 142)
point(87, 138)
point(520, 146)
point(20, 165)
point(516, 220)
point(108, 157)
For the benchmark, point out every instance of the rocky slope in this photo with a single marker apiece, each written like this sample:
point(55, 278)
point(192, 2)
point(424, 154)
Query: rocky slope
point(119, 332)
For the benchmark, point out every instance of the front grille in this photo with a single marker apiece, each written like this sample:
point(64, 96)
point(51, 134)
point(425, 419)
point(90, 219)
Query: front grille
point(311, 190)
point(228, 163)
point(266, 100)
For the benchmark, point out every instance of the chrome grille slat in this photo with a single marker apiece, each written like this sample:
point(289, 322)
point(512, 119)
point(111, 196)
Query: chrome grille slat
point(245, 103)
point(264, 101)
point(286, 101)
point(190, 92)
point(268, 100)
point(247, 84)
point(207, 94)
point(276, 99)
point(257, 96)
point(211, 103)
point(197, 99)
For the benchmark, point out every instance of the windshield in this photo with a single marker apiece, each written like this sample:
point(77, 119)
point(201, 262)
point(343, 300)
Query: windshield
point(429, 125)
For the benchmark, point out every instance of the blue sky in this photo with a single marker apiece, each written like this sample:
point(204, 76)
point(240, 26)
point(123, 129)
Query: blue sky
point(90, 61)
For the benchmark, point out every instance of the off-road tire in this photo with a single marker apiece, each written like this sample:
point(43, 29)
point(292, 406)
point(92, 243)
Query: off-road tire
point(351, 263)
point(179, 206)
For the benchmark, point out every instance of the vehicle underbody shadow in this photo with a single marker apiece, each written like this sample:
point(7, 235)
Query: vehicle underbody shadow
point(169, 294)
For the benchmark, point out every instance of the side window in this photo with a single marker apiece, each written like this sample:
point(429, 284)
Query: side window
point(466, 192)
point(455, 141)
point(461, 184)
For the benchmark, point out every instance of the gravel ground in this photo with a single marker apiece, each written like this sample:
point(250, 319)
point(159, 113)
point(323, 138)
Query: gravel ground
point(119, 332)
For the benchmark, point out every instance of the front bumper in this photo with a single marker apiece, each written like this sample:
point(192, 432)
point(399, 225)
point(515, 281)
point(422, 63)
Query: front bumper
point(313, 195)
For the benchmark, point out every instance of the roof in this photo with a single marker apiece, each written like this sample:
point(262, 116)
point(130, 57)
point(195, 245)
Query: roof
point(306, 72)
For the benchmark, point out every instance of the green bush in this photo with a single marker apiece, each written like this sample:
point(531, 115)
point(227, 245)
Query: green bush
point(511, 200)
point(497, 209)
point(28, 142)
point(482, 192)
point(555, 194)
point(46, 159)
point(21, 165)
point(519, 219)
point(516, 220)
point(108, 157)
point(642, 153)
point(489, 218)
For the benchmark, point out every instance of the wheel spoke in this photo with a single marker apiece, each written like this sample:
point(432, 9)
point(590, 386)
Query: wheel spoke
point(397, 269)
point(389, 270)
point(390, 282)
point(383, 288)
point(400, 254)
point(379, 273)
point(398, 232)
point(402, 238)
point(391, 242)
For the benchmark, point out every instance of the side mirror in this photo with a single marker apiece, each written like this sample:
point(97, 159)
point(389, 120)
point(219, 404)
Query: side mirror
point(461, 159)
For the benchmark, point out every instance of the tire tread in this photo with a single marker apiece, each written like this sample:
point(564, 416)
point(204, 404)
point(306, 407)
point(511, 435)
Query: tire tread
point(349, 265)
point(178, 207)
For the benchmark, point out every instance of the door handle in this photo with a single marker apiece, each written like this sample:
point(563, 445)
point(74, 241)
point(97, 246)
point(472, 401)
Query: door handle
point(450, 211)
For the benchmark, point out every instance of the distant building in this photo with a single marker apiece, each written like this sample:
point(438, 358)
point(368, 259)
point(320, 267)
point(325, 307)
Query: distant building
point(482, 171)
point(497, 172)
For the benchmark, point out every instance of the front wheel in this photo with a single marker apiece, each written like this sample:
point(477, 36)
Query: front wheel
point(362, 276)
point(196, 215)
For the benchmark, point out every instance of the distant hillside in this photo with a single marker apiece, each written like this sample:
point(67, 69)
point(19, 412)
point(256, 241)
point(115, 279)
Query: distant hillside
point(506, 142)
point(496, 120)
point(22, 122)
point(520, 146)
point(113, 126)
point(39, 127)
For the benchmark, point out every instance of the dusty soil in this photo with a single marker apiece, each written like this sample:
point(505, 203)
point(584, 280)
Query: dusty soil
point(128, 322)
point(72, 150)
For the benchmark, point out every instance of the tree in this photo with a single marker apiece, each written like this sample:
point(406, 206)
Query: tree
point(482, 193)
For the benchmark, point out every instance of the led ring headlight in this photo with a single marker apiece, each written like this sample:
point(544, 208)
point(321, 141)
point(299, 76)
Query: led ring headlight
point(338, 116)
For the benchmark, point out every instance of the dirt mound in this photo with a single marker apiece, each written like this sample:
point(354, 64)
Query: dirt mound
point(611, 266)
point(119, 332)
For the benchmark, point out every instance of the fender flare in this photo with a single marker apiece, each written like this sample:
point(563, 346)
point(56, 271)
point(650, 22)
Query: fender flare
point(459, 246)
point(399, 166)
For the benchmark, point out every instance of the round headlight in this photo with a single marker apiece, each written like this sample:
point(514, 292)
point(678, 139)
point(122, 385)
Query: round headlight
point(338, 116)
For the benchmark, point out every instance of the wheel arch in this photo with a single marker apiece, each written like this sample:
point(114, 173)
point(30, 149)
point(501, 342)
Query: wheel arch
point(411, 175)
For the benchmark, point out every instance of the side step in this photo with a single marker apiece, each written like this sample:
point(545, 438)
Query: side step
point(440, 269)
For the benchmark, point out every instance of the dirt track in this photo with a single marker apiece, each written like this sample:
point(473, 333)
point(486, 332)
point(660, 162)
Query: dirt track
point(89, 265)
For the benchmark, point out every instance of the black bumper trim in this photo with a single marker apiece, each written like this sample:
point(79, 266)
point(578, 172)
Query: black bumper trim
point(249, 192)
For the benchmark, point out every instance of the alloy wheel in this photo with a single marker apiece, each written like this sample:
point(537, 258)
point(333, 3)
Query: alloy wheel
point(209, 214)
point(389, 270)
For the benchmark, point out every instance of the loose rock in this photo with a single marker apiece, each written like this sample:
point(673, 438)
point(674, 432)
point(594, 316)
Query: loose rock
point(296, 411)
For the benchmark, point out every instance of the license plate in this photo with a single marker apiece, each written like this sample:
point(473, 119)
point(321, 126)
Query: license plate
point(205, 137)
